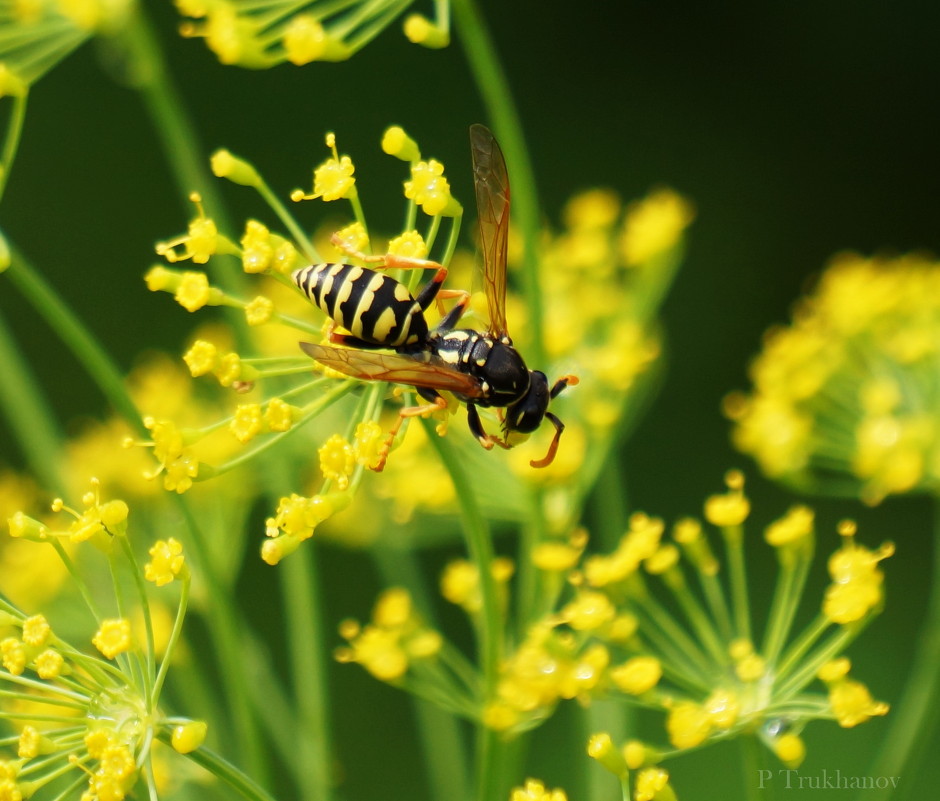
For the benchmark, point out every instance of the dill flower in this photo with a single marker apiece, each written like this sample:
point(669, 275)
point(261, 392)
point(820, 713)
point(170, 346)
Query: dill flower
point(90, 716)
point(535, 790)
point(46, 31)
point(609, 633)
point(259, 37)
point(280, 389)
point(840, 396)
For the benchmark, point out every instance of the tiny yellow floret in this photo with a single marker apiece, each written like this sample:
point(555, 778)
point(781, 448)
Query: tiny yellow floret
point(637, 675)
point(235, 169)
point(397, 143)
point(187, 737)
point(166, 563)
point(114, 637)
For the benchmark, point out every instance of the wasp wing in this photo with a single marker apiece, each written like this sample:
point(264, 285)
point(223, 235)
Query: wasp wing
point(491, 181)
point(373, 366)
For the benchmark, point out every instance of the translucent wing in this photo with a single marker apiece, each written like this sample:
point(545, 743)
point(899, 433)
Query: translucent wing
point(373, 366)
point(491, 181)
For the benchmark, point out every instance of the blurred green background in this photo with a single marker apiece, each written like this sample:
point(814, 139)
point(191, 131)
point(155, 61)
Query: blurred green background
point(798, 129)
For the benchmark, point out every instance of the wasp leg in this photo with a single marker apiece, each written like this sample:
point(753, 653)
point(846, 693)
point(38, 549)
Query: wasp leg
point(449, 320)
point(435, 405)
point(476, 428)
point(553, 448)
point(561, 383)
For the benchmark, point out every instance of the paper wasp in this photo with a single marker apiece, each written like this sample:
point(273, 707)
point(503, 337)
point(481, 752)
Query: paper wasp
point(479, 368)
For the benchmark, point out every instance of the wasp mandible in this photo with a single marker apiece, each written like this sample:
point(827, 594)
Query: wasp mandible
point(479, 368)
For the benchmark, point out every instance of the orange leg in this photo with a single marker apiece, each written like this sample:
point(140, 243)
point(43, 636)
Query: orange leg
point(390, 261)
point(409, 411)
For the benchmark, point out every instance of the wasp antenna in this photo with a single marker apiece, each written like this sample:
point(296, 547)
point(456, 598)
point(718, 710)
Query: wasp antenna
point(553, 448)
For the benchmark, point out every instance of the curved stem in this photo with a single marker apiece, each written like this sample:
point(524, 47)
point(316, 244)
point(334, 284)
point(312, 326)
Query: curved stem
point(227, 772)
point(31, 419)
point(494, 89)
point(911, 718)
point(302, 605)
point(490, 624)
point(73, 333)
point(12, 139)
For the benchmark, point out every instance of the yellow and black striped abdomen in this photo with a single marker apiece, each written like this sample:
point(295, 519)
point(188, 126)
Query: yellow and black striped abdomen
point(369, 304)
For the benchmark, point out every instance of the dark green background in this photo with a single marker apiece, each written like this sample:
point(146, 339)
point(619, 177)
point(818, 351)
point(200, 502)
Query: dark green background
point(798, 129)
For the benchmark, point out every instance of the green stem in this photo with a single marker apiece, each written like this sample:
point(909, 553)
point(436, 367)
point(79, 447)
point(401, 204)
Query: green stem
point(490, 623)
point(912, 718)
point(302, 605)
point(440, 735)
point(97, 363)
point(12, 139)
point(227, 772)
point(494, 88)
point(227, 644)
point(31, 419)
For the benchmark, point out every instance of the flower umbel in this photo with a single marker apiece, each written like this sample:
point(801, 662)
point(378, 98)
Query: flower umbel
point(258, 37)
point(608, 634)
point(842, 397)
point(80, 715)
point(300, 389)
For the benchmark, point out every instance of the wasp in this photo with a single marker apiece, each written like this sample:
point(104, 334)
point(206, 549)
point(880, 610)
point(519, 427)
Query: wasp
point(480, 368)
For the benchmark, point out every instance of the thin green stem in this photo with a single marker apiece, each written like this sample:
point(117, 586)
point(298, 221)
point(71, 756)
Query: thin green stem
point(490, 623)
point(913, 717)
point(494, 88)
point(12, 139)
point(438, 730)
point(73, 333)
point(31, 420)
point(302, 240)
point(740, 603)
point(302, 605)
point(227, 644)
point(227, 772)
point(171, 644)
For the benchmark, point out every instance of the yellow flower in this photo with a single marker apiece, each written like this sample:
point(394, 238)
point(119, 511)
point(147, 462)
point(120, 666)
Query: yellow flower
point(333, 179)
point(826, 411)
point(337, 460)
point(430, 189)
point(166, 562)
point(637, 675)
point(653, 225)
point(535, 790)
point(113, 637)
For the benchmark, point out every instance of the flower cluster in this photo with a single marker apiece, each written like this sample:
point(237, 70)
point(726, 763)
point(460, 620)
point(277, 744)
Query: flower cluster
point(81, 718)
point(273, 403)
point(38, 35)
point(843, 397)
point(610, 633)
point(261, 36)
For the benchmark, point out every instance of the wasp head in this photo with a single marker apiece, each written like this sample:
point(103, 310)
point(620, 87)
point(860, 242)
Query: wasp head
point(526, 414)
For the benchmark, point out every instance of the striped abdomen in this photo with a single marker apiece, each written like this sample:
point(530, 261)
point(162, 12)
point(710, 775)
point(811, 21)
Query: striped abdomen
point(370, 305)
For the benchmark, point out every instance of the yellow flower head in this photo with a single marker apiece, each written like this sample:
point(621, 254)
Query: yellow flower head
point(430, 189)
point(333, 179)
point(166, 562)
point(113, 637)
point(856, 587)
point(535, 790)
point(199, 243)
